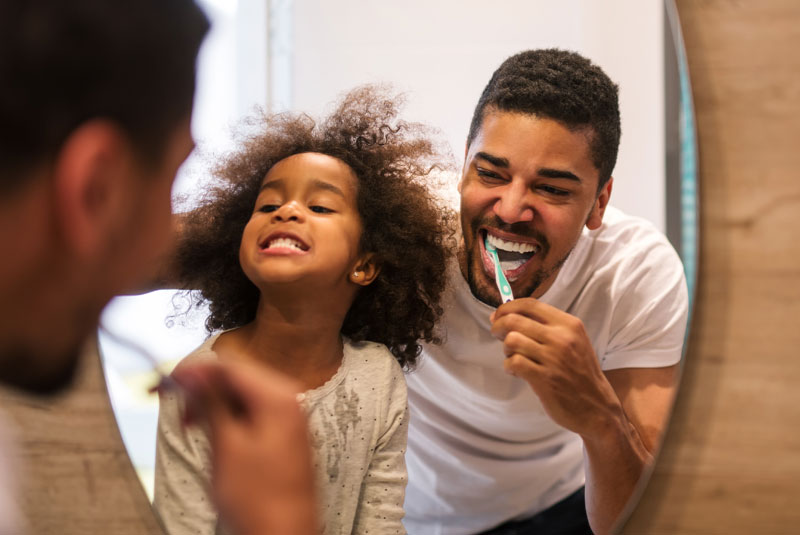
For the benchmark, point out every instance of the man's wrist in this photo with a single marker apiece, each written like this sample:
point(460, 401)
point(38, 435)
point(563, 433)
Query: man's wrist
point(613, 432)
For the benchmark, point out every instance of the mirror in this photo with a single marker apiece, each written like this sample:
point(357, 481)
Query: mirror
point(301, 54)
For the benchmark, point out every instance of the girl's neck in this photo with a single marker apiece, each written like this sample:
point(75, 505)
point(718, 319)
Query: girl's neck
point(300, 338)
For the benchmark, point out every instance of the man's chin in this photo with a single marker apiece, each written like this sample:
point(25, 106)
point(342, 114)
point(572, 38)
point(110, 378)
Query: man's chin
point(37, 374)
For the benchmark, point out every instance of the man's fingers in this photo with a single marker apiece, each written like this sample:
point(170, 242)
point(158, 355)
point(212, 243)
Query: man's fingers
point(509, 323)
point(524, 368)
point(528, 307)
point(217, 391)
point(517, 343)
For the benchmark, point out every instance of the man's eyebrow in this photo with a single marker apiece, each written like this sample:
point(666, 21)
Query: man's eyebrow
point(546, 172)
point(494, 160)
point(558, 173)
point(315, 184)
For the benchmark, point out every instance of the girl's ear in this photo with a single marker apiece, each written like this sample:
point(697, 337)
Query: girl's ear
point(365, 271)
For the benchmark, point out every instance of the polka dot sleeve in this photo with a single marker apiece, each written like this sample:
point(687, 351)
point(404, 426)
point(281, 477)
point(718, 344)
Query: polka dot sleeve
point(380, 508)
point(183, 474)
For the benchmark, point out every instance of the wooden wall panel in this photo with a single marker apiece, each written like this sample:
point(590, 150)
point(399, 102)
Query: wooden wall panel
point(731, 461)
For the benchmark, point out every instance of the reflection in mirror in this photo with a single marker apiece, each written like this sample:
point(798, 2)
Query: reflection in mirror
point(302, 54)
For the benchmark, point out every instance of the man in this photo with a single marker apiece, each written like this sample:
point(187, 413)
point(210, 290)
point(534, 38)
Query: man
point(571, 382)
point(95, 106)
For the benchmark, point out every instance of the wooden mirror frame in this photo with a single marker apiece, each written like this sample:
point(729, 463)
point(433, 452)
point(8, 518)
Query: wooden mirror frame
point(731, 458)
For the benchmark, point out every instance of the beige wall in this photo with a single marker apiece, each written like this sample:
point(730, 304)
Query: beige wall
point(732, 459)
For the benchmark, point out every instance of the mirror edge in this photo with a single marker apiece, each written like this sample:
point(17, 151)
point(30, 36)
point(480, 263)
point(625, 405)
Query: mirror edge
point(682, 195)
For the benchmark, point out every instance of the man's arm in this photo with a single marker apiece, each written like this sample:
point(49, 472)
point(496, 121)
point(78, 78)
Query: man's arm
point(616, 462)
point(619, 415)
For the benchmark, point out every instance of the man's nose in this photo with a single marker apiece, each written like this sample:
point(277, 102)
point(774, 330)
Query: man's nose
point(514, 205)
point(290, 211)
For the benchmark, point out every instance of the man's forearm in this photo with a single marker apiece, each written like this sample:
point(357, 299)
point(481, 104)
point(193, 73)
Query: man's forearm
point(615, 461)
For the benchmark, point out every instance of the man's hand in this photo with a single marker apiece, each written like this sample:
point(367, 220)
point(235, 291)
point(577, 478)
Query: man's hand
point(620, 415)
point(262, 474)
point(550, 350)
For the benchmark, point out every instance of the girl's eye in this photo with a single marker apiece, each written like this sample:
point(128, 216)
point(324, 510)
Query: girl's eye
point(320, 209)
point(268, 208)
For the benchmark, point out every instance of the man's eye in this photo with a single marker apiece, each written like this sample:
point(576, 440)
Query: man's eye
point(489, 175)
point(268, 208)
point(320, 209)
point(550, 190)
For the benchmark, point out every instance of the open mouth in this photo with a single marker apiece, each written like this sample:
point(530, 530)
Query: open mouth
point(513, 255)
point(283, 242)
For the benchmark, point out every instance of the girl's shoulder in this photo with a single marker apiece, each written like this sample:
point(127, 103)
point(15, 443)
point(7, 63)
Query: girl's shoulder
point(370, 354)
point(202, 353)
point(373, 360)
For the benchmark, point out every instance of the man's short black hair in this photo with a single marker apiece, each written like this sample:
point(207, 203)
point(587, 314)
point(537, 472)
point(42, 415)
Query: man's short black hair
point(559, 85)
point(64, 62)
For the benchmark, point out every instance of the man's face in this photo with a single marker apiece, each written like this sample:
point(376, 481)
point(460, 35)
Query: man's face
point(133, 244)
point(144, 231)
point(530, 185)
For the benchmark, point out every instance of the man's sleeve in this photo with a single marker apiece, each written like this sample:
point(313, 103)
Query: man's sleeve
point(650, 315)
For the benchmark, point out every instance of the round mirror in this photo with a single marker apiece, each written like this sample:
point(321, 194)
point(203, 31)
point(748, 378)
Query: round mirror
point(302, 54)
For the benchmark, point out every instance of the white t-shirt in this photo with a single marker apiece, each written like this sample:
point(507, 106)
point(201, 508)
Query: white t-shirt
point(482, 450)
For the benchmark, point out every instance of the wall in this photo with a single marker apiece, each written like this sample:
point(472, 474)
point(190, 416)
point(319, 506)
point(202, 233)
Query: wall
point(442, 53)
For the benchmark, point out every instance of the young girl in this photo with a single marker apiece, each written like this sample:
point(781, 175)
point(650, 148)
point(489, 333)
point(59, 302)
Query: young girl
point(321, 254)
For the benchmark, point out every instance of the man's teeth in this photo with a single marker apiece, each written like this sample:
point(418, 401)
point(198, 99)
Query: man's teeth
point(285, 243)
point(512, 247)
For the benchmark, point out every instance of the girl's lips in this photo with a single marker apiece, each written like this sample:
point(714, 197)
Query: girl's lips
point(282, 251)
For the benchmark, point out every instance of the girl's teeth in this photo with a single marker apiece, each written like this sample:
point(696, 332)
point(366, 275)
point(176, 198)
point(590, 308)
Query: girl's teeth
point(284, 243)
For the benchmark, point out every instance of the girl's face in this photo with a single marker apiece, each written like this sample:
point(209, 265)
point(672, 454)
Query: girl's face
point(305, 224)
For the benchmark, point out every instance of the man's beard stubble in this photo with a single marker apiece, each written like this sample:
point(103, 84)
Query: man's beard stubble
point(474, 262)
point(36, 370)
point(27, 370)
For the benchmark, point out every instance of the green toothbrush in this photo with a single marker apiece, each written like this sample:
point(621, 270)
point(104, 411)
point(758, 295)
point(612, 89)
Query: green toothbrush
point(499, 277)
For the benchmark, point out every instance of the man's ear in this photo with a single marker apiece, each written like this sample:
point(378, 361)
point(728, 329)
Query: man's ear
point(595, 218)
point(88, 183)
point(365, 271)
point(463, 167)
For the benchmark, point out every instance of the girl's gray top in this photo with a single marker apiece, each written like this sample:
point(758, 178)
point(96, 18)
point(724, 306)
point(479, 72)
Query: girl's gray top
point(358, 422)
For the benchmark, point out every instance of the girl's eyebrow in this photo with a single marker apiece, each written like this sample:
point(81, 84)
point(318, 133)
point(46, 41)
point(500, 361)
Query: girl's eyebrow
point(315, 184)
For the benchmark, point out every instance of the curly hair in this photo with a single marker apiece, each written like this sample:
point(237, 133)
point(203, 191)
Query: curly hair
point(560, 85)
point(403, 223)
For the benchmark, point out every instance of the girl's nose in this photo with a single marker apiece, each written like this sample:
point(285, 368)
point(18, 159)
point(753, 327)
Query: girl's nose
point(290, 211)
